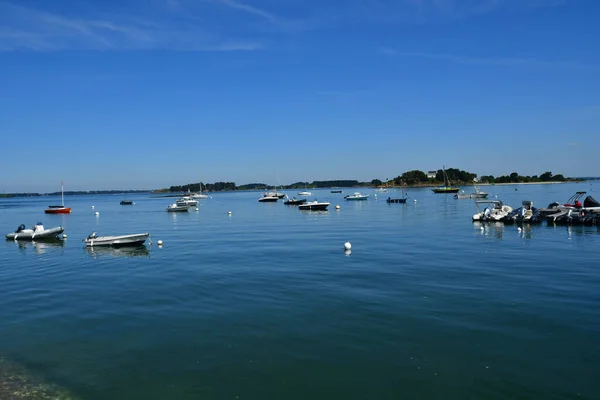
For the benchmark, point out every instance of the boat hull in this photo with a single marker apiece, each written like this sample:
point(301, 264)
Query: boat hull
point(471, 196)
point(314, 206)
point(268, 199)
point(177, 208)
point(117, 241)
point(58, 210)
point(46, 234)
point(294, 202)
point(445, 190)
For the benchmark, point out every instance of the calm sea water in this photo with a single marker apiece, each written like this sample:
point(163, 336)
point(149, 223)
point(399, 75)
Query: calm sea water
point(265, 304)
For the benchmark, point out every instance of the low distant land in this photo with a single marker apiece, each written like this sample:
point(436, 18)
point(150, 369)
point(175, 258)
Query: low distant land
point(413, 178)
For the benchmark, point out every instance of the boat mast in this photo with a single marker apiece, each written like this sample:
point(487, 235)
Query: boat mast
point(445, 176)
point(62, 193)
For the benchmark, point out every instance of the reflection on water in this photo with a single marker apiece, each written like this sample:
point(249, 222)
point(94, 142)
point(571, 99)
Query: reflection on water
point(490, 229)
point(134, 251)
point(40, 247)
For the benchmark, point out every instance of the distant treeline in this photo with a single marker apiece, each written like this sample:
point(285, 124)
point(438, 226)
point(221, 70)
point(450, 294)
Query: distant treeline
point(227, 186)
point(458, 177)
point(72, 193)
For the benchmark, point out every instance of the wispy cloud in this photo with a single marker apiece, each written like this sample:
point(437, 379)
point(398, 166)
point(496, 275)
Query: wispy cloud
point(210, 25)
point(492, 61)
point(32, 29)
point(247, 8)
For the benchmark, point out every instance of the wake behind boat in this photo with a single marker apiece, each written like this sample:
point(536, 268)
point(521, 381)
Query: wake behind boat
point(116, 241)
point(38, 232)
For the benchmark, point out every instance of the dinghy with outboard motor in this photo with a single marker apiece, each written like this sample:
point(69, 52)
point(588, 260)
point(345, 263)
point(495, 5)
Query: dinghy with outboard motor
point(38, 232)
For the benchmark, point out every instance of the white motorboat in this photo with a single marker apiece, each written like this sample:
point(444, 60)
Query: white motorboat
point(314, 206)
point(305, 193)
point(496, 212)
point(178, 207)
point(116, 241)
point(38, 232)
point(356, 196)
point(478, 194)
point(268, 199)
point(186, 201)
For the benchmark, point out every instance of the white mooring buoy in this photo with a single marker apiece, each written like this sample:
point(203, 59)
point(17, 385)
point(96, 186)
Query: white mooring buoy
point(97, 213)
point(64, 235)
point(228, 212)
point(159, 243)
point(337, 207)
point(347, 246)
point(196, 208)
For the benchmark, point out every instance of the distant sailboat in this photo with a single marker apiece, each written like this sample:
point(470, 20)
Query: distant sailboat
point(59, 209)
point(200, 194)
point(447, 188)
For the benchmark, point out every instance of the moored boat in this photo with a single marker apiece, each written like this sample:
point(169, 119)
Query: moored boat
point(38, 232)
point(447, 188)
point(116, 241)
point(495, 212)
point(477, 194)
point(390, 200)
point(186, 201)
point(356, 196)
point(527, 213)
point(178, 207)
point(126, 202)
point(268, 199)
point(59, 209)
point(294, 201)
point(398, 200)
point(314, 206)
point(557, 208)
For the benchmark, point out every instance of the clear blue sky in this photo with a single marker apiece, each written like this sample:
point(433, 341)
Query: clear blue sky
point(143, 94)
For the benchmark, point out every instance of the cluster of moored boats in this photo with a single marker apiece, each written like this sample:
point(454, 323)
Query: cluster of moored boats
point(39, 233)
point(304, 204)
point(573, 212)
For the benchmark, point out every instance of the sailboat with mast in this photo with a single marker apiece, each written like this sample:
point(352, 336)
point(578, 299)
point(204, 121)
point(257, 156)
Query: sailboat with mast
point(59, 209)
point(447, 188)
point(200, 195)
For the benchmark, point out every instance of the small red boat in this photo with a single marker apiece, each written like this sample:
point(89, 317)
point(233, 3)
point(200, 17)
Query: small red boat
point(59, 209)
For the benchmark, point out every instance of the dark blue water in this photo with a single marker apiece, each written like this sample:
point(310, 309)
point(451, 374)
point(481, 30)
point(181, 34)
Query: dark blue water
point(265, 304)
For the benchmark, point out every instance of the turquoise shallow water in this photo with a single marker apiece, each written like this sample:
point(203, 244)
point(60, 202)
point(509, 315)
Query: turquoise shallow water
point(265, 304)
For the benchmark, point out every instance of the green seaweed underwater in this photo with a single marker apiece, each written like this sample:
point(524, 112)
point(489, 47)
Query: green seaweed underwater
point(17, 384)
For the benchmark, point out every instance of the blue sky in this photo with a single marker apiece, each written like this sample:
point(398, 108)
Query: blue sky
point(143, 94)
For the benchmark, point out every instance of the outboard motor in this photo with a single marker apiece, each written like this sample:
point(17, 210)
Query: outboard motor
point(92, 235)
point(553, 205)
point(21, 228)
point(590, 202)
